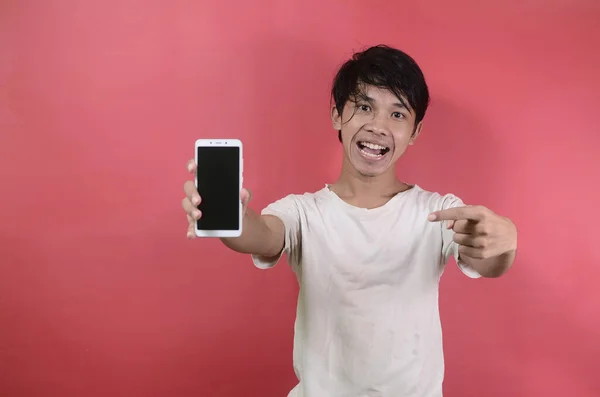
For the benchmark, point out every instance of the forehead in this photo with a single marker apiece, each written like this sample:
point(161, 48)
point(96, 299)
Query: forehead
point(382, 96)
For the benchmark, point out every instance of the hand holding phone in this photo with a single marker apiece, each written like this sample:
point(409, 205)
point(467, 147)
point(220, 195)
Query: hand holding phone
point(215, 202)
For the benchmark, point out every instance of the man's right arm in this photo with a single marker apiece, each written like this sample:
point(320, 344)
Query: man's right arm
point(262, 235)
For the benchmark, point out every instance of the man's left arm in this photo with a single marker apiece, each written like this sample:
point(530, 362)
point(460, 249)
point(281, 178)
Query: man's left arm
point(487, 242)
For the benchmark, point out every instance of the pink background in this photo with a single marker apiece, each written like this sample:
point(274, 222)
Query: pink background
point(101, 102)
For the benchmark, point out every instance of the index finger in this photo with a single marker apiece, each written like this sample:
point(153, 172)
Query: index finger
point(456, 214)
point(189, 187)
point(191, 165)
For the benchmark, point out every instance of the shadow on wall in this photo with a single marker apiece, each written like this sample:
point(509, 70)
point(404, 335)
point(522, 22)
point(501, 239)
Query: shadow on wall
point(561, 345)
point(291, 149)
point(457, 153)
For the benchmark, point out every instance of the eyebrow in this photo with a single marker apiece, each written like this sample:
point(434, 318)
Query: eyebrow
point(400, 105)
point(396, 104)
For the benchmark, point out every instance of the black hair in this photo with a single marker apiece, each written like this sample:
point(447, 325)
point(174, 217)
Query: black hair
point(384, 67)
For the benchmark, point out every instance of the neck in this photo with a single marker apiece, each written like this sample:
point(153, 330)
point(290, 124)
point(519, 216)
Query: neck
point(352, 184)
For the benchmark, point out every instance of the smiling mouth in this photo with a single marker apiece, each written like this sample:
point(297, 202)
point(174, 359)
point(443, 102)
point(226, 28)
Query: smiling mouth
point(372, 150)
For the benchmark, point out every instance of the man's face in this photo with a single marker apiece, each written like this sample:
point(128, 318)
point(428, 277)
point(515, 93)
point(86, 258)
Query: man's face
point(376, 130)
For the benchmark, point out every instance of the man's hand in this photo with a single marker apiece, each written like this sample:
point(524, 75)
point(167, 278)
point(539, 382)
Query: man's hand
point(479, 232)
point(192, 200)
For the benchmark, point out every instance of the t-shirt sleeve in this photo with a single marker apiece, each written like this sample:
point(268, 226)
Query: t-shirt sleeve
point(449, 246)
point(288, 210)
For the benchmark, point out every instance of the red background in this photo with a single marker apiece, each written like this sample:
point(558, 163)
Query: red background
point(101, 102)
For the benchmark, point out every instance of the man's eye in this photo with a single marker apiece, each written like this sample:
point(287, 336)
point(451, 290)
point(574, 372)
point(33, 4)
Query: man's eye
point(398, 115)
point(364, 108)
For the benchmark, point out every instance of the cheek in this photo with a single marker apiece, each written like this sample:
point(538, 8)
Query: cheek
point(347, 141)
point(350, 129)
point(353, 125)
point(402, 140)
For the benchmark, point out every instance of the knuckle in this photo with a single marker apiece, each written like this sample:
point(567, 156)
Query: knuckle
point(484, 229)
point(190, 185)
point(188, 206)
point(481, 210)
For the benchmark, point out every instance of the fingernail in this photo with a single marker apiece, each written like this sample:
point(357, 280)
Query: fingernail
point(431, 217)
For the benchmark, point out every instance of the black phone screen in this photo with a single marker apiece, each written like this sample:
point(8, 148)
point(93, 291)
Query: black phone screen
point(218, 175)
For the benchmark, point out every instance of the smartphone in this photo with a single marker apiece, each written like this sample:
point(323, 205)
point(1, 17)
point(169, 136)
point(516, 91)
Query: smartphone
point(219, 178)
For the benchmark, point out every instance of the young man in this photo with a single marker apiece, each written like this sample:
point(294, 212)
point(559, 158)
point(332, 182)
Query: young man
point(369, 250)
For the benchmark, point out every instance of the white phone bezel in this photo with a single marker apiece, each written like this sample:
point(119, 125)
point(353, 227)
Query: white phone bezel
point(221, 143)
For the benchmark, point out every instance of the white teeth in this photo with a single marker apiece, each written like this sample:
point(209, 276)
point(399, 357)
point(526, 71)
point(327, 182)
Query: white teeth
point(372, 146)
point(370, 154)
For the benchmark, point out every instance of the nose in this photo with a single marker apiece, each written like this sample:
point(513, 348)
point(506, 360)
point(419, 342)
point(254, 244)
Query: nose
point(378, 125)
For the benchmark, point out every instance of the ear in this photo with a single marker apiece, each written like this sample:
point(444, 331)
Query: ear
point(336, 119)
point(416, 133)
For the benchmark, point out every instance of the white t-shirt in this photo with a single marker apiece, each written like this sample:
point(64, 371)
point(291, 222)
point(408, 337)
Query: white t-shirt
point(367, 321)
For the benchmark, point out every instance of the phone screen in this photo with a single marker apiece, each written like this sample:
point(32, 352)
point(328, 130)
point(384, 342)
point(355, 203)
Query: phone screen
point(218, 176)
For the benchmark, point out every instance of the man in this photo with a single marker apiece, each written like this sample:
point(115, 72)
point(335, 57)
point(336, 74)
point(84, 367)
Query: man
point(369, 250)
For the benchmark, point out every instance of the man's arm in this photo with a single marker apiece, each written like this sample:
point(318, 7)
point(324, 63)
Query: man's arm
point(266, 237)
point(487, 242)
point(262, 235)
point(491, 267)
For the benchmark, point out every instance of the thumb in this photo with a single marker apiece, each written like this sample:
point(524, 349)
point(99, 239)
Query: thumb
point(245, 196)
